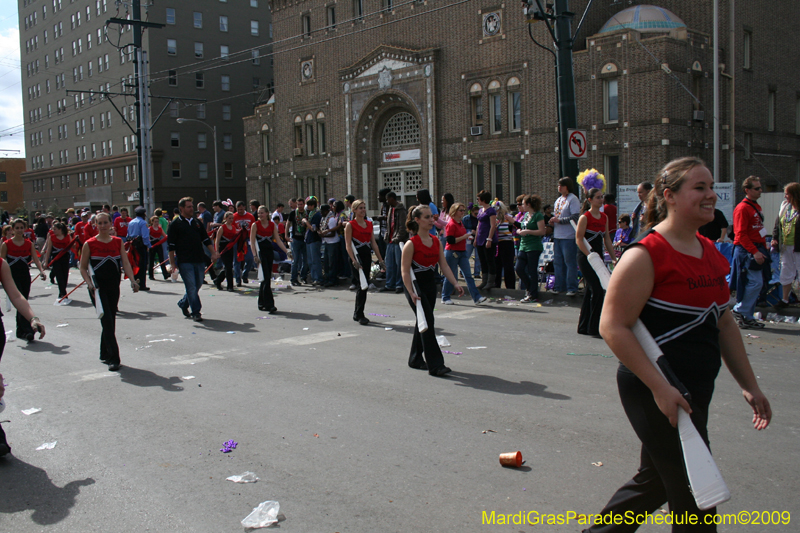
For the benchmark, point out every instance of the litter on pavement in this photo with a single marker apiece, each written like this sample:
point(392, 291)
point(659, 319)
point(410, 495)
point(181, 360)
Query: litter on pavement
point(31, 411)
point(247, 477)
point(264, 515)
point(47, 446)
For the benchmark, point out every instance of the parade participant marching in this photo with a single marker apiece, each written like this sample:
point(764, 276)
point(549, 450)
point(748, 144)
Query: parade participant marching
point(227, 235)
point(23, 308)
point(57, 241)
point(359, 237)
point(18, 252)
point(593, 225)
point(262, 236)
point(105, 254)
point(158, 247)
point(674, 281)
point(186, 238)
point(422, 253)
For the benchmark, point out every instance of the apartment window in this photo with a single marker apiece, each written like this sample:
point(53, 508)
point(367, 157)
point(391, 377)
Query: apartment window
point(265, 148)
point(253, 3)
point(610, 101)
point(202, 171)
point(226, 112)
point(476, 105)
point(306, 25)
point(198, 50)
point(173, 109)
point(175, 139)
point(515, 178)
point(94, 151)
point(771, 98)
point(223, 23)
point(514, 105)
point(748, 145)
point(256, 57)
point(254, 28)
point(197, 20)
point(172, 78)
point(747, 52)
point(226, 82)
point(223, 52)
point(176, 170)
point(172, 47)
point(228, 171)
point(358, 9)
point(331, 16)
point(310, 138)
point(227, 141)
point(477, 179)
point(497, 179)
point(495, 106)
point(321, 137)
point(298, 137)
point(202, 143)
point(200, 111)
point(199, 80)
point(256, 83)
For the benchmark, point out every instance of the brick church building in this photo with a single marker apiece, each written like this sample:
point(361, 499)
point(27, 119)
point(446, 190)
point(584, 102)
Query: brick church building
point(456, 98)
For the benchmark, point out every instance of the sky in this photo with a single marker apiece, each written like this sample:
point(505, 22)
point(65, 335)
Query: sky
point(11, 113)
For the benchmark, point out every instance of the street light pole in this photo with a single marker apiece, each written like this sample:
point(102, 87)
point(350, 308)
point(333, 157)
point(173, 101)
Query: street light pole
point(216, 162)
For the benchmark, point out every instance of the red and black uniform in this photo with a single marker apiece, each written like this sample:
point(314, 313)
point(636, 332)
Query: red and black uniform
point(589, 321)
point(229, 235)
point(107, 264)
point(18, 258)
point(60, 267)
point(2, 348)
point(157, 234)
point(424, 266)
point(266, 302)
point(362, 240)
point(689, 296)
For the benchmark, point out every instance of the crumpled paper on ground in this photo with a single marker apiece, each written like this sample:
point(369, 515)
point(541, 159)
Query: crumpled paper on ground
point(47, 446)
point(247, 477)
point(264, 515)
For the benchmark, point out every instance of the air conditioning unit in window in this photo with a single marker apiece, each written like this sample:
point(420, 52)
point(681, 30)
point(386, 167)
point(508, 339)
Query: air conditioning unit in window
point(476, 130)
point(699, 116)
point(298, 151)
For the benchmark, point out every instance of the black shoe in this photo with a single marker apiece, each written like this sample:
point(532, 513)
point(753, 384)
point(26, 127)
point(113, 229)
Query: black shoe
point(399, 290)
point(144, 288)
point(113, 367)
point(440, 372)
point(218, 286)
point(238, 284)
point(186, 311)
point(262, 308)
point(5, 449)
point(273, 310)
point(29, 336)
point(151, 278)
point(423, 366)
point(197, 318)
point(230, 289)
point(385, 289)
point(363, 321)
point(780, 304)
point(304, 280)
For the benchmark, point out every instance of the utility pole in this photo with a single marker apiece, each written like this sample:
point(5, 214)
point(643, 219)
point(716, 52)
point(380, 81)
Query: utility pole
point(558, 19)
point(139, 86)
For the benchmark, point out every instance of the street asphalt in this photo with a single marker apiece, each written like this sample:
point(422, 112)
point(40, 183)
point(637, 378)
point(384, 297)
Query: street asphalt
point(338, 429)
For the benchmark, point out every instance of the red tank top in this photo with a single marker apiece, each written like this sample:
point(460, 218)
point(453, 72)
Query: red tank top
point(230, 234)
point(105, 256)
point(595, 231)
point(59, 244)
point(16, 254)
point(425, 257)
point(263, 233)
point(361, 236)
point(156, 234)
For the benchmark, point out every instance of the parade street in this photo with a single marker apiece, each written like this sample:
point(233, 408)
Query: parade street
point(338, 429)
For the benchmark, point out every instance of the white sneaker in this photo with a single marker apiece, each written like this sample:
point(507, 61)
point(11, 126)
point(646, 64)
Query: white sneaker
point(447, 302)
point(66, 301)
point(572, 293)
point(482, 300)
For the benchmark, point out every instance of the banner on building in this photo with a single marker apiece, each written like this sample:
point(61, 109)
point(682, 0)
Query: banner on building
point(627, 199)
point(402, 155)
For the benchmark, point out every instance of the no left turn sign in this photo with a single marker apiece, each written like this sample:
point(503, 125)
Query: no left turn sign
point(576, 144)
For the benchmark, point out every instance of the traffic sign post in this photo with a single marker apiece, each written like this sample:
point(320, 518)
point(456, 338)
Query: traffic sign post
point(576, 144)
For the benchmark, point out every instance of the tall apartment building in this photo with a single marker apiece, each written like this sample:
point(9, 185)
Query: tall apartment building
point(205, 64)
point(454, 97)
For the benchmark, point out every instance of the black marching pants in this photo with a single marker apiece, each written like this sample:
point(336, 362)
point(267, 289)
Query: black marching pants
point(22, 279)
point(589, 321)
point(365, 258)
point(265, 298)
point(109, 297)
point(486, 256)
point(60, 270)
point(151, 261)
point(227, 273)
point(2, 348)
point(425, 343)
point(662, 474)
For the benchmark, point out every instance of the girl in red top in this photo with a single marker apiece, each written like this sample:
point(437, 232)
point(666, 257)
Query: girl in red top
point(106, 254)
point(593, 226)
point(227, 233)
point(18, 252)
point(455, 253)
point(358, 236)
point(158, 246)
point(674, 281)
point(58, 240)
point(262, 234)
point(422, 253)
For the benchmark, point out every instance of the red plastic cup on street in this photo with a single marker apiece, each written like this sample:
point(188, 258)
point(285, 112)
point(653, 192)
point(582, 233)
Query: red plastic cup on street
point(513, 459)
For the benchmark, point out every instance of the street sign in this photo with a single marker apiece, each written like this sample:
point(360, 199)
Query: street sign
point(576, 144)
